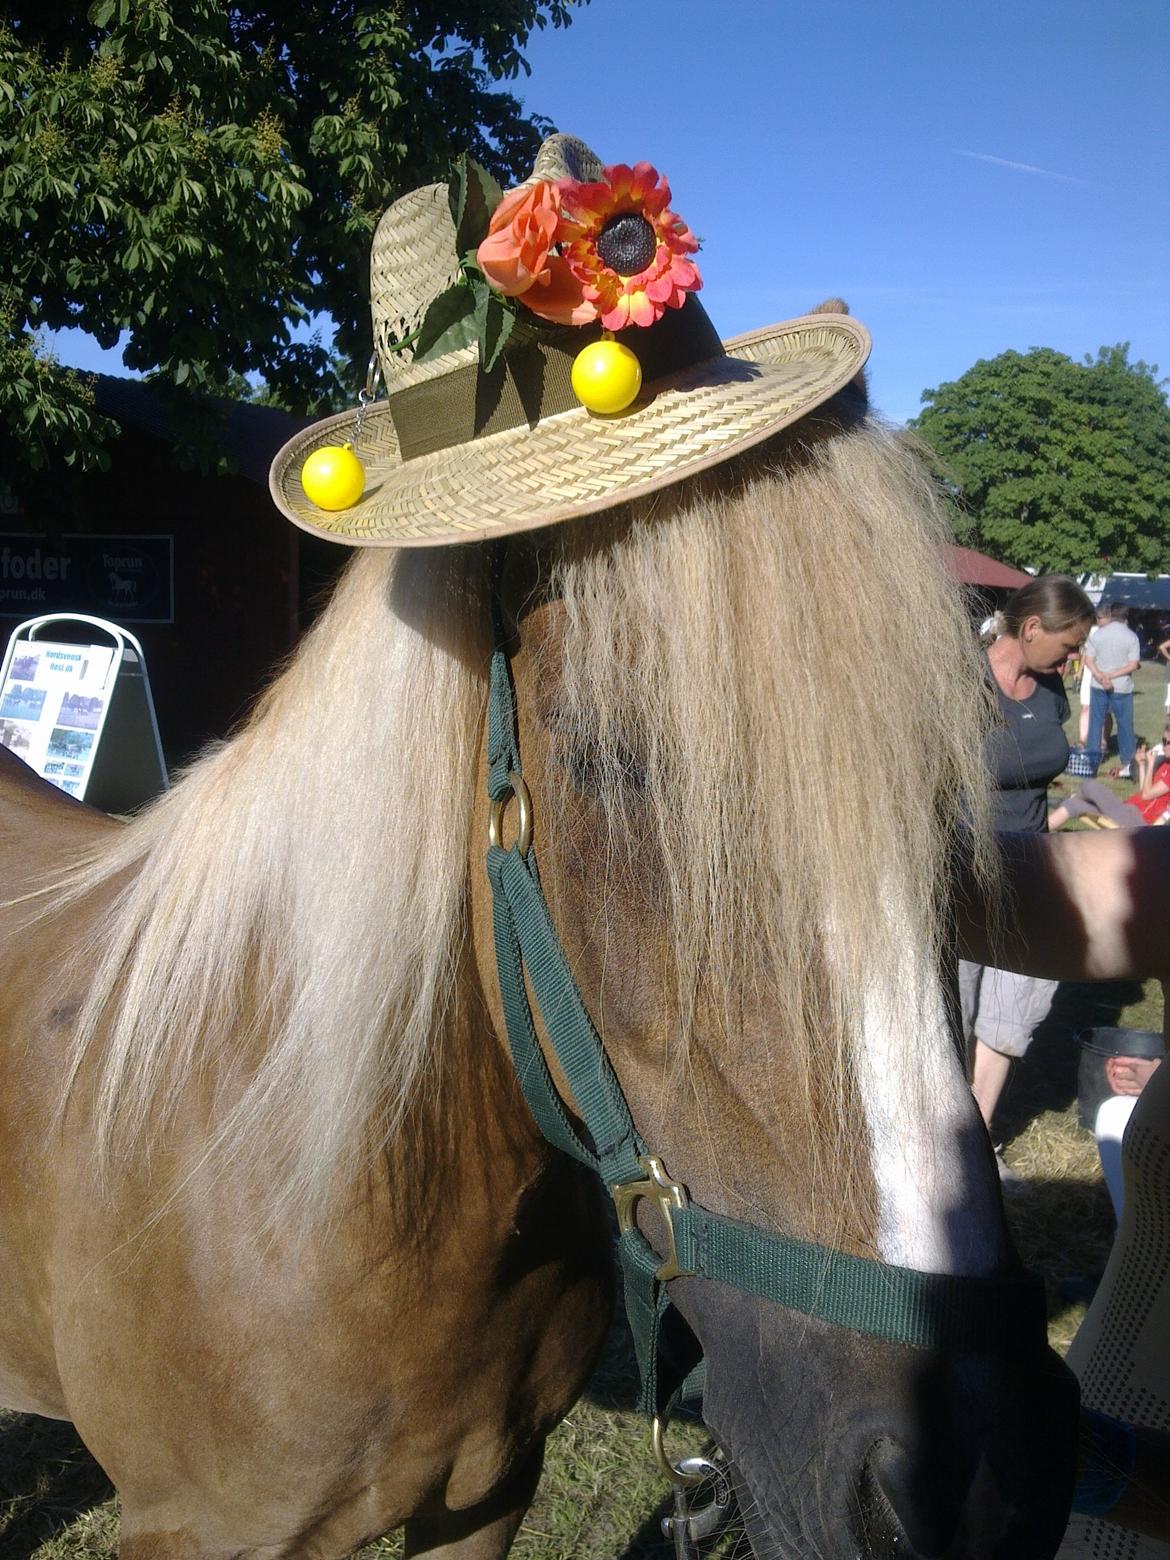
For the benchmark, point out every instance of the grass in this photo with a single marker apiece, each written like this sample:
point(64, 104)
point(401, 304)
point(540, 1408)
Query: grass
point(601, 1498)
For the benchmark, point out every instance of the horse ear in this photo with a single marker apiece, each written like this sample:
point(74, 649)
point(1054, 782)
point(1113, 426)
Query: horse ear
point(839, 306)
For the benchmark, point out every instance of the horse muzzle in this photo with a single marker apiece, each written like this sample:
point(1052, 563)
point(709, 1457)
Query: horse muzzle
point(850, 1447)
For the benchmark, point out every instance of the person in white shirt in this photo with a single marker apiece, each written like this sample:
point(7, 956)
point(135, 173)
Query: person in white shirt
point(1087, 685)
point(1112, 655)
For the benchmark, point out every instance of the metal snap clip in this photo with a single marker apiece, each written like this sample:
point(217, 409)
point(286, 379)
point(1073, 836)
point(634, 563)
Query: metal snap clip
point(689, 1525)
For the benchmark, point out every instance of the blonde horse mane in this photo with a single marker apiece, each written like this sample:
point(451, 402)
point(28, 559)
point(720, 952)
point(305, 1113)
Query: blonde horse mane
point(293, 910)
point(784, 649)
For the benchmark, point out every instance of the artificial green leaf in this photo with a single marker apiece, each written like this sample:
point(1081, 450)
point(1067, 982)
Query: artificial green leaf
point(448, 324)
point(493, 324)
point(473, 195)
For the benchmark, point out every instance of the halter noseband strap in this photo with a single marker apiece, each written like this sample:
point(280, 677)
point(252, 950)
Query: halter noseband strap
point(922, 1310)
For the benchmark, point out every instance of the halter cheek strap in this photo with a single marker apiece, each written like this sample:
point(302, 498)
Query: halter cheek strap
point(922, 1310)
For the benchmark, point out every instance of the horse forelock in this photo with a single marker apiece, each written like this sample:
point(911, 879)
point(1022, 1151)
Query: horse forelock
point(785, 669)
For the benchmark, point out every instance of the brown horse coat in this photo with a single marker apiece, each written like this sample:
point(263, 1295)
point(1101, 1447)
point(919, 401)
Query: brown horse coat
point(278, 1233)
point(405, 1365)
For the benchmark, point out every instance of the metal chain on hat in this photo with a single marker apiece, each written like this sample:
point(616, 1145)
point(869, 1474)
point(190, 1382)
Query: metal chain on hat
point(367, 394)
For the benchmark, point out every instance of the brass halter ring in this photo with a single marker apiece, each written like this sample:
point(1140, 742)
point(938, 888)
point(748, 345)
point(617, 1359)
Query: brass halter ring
point(519, 790)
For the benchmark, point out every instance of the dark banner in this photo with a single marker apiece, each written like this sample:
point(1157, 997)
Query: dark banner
point(127, 578)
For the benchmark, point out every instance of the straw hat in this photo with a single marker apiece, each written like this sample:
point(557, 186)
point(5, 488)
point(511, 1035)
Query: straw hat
point(457, 455)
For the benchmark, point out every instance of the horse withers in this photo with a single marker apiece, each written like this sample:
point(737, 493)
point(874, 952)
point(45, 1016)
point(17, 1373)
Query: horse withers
point(278, 1231)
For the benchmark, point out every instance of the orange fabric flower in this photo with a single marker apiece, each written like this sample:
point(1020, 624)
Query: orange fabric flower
point(518, 260)
point(626, 247)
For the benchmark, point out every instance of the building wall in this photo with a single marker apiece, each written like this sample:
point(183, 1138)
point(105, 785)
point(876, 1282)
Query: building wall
point(236, 609)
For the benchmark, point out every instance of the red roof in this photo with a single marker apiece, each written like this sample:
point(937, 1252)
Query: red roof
point(975, 568)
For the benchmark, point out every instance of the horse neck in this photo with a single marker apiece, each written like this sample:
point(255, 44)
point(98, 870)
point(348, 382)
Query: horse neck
point(469, 1151)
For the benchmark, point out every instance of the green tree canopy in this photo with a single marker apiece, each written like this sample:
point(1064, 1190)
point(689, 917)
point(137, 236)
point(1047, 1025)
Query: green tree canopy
point(202, 175)
point(1058, 465)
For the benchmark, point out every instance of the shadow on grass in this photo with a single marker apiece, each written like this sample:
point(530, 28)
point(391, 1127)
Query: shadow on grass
point(47, 1480)
point(614, 1382)
point(1063, 1230)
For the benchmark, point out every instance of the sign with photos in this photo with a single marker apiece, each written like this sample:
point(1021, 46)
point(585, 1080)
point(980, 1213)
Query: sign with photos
point(81, 715)
point(53, 706)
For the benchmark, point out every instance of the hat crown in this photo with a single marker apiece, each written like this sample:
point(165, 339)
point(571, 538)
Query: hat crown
point(565, 157)
point(413, 259)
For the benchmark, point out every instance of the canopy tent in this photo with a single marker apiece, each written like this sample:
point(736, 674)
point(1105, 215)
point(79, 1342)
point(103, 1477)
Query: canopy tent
point(1135, 590)
point(975, 568)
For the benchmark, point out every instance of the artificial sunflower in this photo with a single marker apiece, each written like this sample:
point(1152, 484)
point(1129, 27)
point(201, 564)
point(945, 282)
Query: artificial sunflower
point(626, 247)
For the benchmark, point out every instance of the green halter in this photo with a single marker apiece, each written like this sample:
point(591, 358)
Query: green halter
point(925, 1310)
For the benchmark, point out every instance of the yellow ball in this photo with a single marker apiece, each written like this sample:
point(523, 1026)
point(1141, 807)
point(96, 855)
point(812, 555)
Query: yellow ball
point(333, 477)
point(606, 376)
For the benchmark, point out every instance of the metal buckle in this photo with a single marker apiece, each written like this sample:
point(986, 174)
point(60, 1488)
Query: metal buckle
point(519, 790)
point(668, 1195)
point(690, 1525)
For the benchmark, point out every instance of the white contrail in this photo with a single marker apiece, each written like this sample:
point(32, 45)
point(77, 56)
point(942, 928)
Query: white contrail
point(1022, 167)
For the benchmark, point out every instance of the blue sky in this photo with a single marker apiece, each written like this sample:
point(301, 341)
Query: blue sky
point(971, 175)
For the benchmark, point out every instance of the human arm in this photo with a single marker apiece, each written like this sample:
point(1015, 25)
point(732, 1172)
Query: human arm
point(1079, 906)
point(1164, 650)
point(1104, 678)
point(1134, 645)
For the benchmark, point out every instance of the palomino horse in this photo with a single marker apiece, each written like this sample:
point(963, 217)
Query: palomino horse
point(279, 1234)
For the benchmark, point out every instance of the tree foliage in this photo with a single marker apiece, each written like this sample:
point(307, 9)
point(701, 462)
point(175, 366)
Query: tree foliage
point(1058, 465)
point(201, 176)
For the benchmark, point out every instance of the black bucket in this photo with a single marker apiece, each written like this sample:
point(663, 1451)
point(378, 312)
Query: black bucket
point(1097, 1046)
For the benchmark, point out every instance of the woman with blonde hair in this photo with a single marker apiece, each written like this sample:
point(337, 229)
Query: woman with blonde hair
point(1043, 623)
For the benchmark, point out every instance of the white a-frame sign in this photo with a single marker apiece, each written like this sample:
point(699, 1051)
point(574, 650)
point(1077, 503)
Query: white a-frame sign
point(82, 715)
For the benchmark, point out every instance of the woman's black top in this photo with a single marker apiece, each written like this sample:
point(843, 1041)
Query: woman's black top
point(1026, 753)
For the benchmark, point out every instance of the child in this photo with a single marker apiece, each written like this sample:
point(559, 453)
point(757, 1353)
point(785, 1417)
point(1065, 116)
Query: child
point(1150, 803)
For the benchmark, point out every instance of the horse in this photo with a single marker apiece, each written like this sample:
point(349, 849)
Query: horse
point(277, 1229)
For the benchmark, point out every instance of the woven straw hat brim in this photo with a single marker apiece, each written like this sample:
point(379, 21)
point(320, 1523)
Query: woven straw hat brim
point(576, 463)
